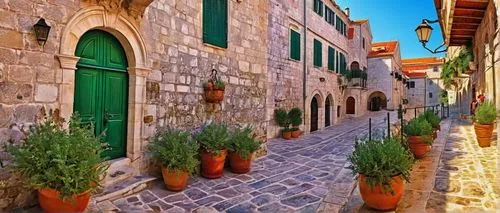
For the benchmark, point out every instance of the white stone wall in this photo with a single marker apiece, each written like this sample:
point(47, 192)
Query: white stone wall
point(379, 78)
point(416, 96)
point(357, 52)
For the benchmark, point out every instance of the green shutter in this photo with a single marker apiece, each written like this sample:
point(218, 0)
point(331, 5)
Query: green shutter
point(320, 8)
point(337, 62)
point(215, 15)
point(331, 58)
point(294, 45)
point(318, 55)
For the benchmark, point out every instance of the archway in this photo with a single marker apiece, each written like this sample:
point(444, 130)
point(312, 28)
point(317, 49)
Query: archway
point(328, 110)
point(314, 114)
point(355, 66)
point(350, 106)
point(132, 42)
point(101, 84)
point(377, 101)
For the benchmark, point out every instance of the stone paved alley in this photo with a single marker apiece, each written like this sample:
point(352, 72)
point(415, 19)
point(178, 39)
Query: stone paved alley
point(295, 175)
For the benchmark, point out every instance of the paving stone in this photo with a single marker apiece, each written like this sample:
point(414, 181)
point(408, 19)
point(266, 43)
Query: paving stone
point(188, 206)
point(274, 189)
point(175, 198)
point(147, 196)
point(300, 200)
point(305, 177)
point(242, 208)
point(159, 206)
point(274, 207)
point(209, 200)
point(262, 199)
point(298, 189)
point(195, 193)
point(228, 193)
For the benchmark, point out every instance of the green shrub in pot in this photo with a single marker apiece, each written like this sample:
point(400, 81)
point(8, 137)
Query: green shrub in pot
point(432, 118)
point(485, 113)
point(213, 140)
point(419, 127)
point(242, 146)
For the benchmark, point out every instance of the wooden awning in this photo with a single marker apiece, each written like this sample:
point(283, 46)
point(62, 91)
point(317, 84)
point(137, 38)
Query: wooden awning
point(460, 25)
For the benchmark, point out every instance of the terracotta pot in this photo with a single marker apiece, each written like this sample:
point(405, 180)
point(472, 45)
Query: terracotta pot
point(376, 197)
point(286, 135)
point(212, 165)
point(214, 96)
point(296, 133)
point(174, 180)
point(418, 147)
point(50, 202)
point(238, 164)
point(484, 133)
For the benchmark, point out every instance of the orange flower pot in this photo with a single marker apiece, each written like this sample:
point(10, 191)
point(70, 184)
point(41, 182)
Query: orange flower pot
point(50, 202)
point(238, 164)
point(212, 165)
point(214, 96)
point(296, 134)
point(484, 133)
point(174, 180)
point(418, 147)
point(376, 197)
point(286, 135)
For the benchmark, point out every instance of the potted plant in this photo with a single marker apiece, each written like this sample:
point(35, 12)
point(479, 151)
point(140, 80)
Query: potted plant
point(63, 165)
point(382, 167)
point(283, 121)
point(214, 91)
point(295, 116)
point(434, 120)
point(213, 140)
point(483, 123)
point(242, 146)
point(176, 152)
point(419, 133)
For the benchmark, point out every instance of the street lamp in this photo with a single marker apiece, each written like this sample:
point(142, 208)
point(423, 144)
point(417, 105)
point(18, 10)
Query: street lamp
point(424, 32)
point(42, 30)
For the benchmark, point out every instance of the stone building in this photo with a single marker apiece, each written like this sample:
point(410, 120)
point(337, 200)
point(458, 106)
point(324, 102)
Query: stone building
point(426, 75)
point(385, 86)
point(465, 21)
point(157, 54)
point(306, 67)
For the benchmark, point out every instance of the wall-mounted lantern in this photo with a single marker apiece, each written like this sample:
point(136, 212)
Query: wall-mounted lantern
point(424, 32)
point(42, 30)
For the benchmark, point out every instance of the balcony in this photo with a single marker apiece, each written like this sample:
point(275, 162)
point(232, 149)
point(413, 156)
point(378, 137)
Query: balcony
point(355, 78)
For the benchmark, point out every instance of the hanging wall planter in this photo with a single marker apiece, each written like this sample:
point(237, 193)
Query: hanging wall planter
point(214, 89)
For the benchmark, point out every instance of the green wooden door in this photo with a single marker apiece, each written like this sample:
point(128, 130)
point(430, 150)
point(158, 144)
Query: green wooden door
point(101, 89)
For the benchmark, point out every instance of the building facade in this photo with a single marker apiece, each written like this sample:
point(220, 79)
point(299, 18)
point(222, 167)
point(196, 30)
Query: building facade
point(386, 76)
point(425, 87)
point(141, 65)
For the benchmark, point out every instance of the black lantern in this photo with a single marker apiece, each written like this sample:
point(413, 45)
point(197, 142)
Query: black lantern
point(42, 30)
point(424, 31)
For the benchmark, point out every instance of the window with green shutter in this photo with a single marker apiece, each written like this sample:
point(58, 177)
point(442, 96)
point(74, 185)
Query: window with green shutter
point(329, 16)
point(337, 62)
point(318, 55)
point(331, 59)
point(215, 15)
point(294, 45)
point(318, 7)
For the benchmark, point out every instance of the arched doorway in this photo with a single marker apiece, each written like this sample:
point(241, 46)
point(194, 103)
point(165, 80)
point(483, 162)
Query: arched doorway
point(101, 88)
point(314, 114)
point(377, 101)
point(350, 106)
point(328, 110)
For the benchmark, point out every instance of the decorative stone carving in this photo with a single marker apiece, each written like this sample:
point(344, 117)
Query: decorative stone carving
point(134, 8)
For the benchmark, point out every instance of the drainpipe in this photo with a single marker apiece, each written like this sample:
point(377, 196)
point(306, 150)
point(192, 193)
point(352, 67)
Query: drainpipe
point(304, 77)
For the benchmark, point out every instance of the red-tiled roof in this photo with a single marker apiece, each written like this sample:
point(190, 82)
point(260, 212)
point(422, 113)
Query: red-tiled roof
point(414, 74)
point(422, 61)
point(380, 49)
point(362, 21)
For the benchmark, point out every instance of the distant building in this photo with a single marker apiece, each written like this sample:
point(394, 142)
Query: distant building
point(425, 86)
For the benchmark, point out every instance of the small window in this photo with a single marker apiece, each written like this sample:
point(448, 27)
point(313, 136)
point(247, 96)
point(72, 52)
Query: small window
point(318, 54)
point(294, 45)
point(318, 7)
point(430, 82)
point(412, 84)
point(338, 111)
point(430, 94)
point(331, 59)
point(329, 16)
point(364, 44)
point(215, 15)
point(435, 69)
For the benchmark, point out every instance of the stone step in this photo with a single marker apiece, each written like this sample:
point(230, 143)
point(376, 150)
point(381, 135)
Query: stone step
point(123, 188)
point(119, 170)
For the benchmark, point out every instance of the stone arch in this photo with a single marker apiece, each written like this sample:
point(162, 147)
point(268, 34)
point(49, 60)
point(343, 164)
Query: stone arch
point(318, 96)
point(377, 101)
point(329, 103)
point(355, 65)
point(122, 28)
point(350, 106)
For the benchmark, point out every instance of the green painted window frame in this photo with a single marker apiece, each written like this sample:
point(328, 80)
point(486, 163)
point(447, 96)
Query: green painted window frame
point(294, 45)
point(318, 7)
point(318, 53)
point(215, 22)
point(337, 62)
point(331, 59)
point(329, 16)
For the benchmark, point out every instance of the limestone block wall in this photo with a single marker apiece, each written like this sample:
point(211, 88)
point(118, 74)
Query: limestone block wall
point(379, 78)
point(355, 45)
point(416, 96)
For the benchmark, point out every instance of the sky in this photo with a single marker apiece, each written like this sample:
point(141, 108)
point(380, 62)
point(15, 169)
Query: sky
point(397, 20)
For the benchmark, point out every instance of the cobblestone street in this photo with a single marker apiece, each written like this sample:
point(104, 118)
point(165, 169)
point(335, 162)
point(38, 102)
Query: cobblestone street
point(296, 175)
point(456, 176)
